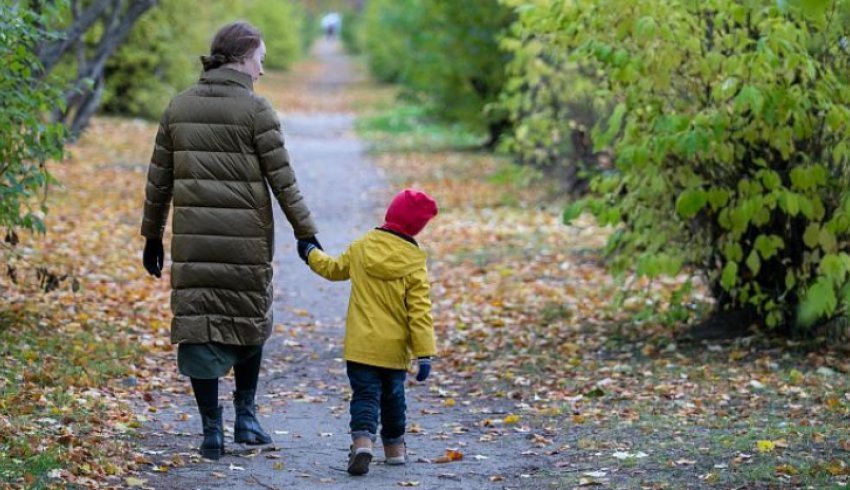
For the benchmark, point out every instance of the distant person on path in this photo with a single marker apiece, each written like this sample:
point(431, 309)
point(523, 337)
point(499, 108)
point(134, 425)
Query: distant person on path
point(389, 322)
point(218, 150)
point(331, 24)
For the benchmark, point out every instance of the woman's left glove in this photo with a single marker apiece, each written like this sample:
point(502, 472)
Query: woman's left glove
point(153, 257)
point(306, 245)
point(424, 369)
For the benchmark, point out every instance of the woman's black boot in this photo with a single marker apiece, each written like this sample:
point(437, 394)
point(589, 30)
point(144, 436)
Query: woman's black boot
point(213, 445)
point(247, 428)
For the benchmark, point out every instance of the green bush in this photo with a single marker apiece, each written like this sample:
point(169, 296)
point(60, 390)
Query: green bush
point(551, 102)
point(456, 61)
point(27, 140)
point(310, 30)
point(730, 131)
point(281, 23)
point(351, 31)
point(447, 52)
point(385, 32)
point(161, 57)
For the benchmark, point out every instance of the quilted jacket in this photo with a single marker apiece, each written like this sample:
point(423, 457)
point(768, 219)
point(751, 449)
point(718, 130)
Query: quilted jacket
point(219, 149)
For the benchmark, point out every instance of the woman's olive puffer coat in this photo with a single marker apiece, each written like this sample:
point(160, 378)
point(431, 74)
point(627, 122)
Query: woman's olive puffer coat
point(218, 150)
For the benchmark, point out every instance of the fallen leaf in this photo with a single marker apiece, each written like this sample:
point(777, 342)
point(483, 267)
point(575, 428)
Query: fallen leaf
point(626, 455)
point(451, 455)
point(765, 446)
point(588, 482)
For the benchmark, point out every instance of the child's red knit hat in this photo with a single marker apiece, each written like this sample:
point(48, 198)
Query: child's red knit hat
point(409, 212)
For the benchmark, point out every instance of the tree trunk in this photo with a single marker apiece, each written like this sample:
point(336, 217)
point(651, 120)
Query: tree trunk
point(86, 108)
point(495, 130)
point(117, 18)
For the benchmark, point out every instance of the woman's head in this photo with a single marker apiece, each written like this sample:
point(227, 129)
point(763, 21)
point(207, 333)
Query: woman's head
point(238, 45)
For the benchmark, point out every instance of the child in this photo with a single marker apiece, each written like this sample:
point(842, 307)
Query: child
point(389, 319)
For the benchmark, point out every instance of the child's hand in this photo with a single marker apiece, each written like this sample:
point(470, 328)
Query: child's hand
point(306, 246)
point(424, 369)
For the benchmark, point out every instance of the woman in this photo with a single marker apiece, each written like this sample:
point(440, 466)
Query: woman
point(218, 150)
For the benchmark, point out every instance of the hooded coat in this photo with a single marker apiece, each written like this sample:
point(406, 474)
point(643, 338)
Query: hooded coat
point(219, 149)
point(389, 312)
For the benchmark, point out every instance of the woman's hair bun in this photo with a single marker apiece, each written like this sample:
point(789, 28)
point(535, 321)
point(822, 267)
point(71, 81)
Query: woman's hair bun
point(214, 61)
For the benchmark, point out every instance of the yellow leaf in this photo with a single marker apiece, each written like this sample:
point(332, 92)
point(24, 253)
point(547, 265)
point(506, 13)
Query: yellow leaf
point(511, 419)
point(837, 467)
point(765, 446)
point(449, 402)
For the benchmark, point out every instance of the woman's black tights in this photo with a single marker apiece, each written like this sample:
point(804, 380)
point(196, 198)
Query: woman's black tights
point(247, 373)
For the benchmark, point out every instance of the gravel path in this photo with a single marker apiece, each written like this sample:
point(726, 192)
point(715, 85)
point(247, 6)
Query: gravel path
point(303, 390)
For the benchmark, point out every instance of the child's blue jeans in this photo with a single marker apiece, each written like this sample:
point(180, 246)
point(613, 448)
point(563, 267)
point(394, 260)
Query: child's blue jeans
point(377, 390)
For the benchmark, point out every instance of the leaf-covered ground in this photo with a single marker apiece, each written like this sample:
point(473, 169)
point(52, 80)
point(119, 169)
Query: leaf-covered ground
point(80, 326)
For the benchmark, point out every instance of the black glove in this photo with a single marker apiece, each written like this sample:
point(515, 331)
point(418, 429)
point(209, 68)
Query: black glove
point(306, 245)
point(154, 256)
point(424, 368)
point(314, 241)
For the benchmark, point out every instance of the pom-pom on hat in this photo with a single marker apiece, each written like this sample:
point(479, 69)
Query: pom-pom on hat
point(409, 212)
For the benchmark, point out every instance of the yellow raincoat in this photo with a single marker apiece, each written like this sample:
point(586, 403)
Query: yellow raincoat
point(389, 311)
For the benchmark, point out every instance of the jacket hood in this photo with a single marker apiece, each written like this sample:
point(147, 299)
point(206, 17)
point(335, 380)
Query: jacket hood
point(390, 257)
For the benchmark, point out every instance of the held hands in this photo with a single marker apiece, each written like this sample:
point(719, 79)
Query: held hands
point(153, 257)
point(424, 369)
point(306, 246)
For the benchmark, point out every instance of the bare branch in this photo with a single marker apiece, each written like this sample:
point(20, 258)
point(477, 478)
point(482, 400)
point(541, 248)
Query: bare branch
point(50, 53)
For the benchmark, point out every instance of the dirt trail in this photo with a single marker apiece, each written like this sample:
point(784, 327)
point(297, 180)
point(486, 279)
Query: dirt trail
point(303, 390)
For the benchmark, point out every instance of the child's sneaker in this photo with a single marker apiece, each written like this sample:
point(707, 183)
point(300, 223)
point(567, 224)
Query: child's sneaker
point(360, 456)
point(395, 454)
